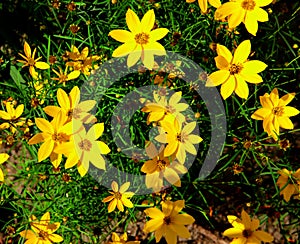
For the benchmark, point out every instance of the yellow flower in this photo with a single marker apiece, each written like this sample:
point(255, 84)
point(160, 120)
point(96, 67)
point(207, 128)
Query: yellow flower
point(71, 107)
point(245, 230)
point(63, 77)
point(287, 190)
point(3, 158)
point(84, 148)
point(42, 231)
point(12, 116)
point(246, 11)
point(81, 61)
point(140, 42)
point(168, 223)
point(121, 240)
point(179, 139)
point(161, 107)
point(275, 113)
point(119, 197)
point(235, 70)
point(203, 4)
point(31, 62)
point(160, 167)
point(53, 134)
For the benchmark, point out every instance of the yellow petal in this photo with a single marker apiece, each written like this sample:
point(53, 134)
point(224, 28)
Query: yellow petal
point(154, 213)
point(154, 48)
point(147, 21)
point(104, 149)
point(251, 78)
point(124, 187)
point(221, 62)
point(71, 161)
point(122, 35)
point(27, 50)
point(133, 22)
point(233, 233)
point(63, 99)
point(52, 110)
point(217, 78)
point(86, 105)
point(45, 150)
point(171, 148)
point(44, 125)
point(112, 205)
point(241, 88)
point(19, 110)
point(42, 65)
point(255, 224)
point(261, 15)
point(153, 225)
point(120, 205)
point(263, 236)
point(226, 9)
point(228, 87)
point(148, 59)
point(1, 176)
point(180, 230)
point(183, 219)
point(158, 34)
point(4, 115)
point(38, 138)
point(236, 18)
point(114, 186)
point(127, 203)
point(253, 66)
point(73, 75)
point(215, 3)
point(251, 23)
point(260, 114)
point(95, 131)
point(108, 199)
point(246, 219)
point(224, 52)
point(262, 3)
point(134, 56)
point(285, 123)
point(274, 97)
point(55, 238)
point(171, 236)
point(203, 5)
point(242, 52)
point(124, 49)
point(177, 207)
point(3, 157)
point(286, 99)
point(290, 111)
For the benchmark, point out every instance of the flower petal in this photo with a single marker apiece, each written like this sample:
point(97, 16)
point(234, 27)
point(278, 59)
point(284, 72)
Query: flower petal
point(228, 87)
point(147, 21)
point(263, 236)
point(242, 52)
point(290, 111)
point(122, 35)
point(124, 49)
point(241, 88)
point(285, 123)
point(133, 22)
point(158, 34)
point(42, 65)
point(217, 78)
point(224, 52)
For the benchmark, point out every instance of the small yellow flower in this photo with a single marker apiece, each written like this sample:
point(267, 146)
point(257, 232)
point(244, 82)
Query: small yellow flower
point(203, 4)
point(121, 240)
point(140, 42)
point(3, 158)
point(275, 113)
point(84, 148)
point(53, 134)
point(119, 197)
point(245, 230)
point(179, 139)
point(234, 70)
point(160, 167)
point(247, 11)
point(287, 190)
point(71, 107)
point(42, 231)
point(31, 62)
point(168, 223)
point(162, 107)
point(63, 77)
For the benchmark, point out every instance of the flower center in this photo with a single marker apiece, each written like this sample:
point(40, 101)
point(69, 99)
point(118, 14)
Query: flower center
point(118, 195)
point(170, 109)
point(235, 69)
point(141, 38)
point(248, 4)
point(85, 145)
point(31, 61)
point(277, 111)
point(167, 220)
point(43, 234)
point(60, 137)
point(247, 233)
point(63, 78)
point(76, 113)
point(161, 164)
point(181, 137)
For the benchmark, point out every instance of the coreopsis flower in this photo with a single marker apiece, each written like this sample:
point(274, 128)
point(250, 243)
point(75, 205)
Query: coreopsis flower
point(247, 11)
point(289, 189)
point(119, 197)
point(140, 41)
point(161, 107)
point(31, 62)
point(203, 4)
point(84, 148)
point(81, 61)
point(275, 113)
point(71, 107)
point(42, 231)
point(160, 167)
point(63, 77)
point(12, 116)
point(180, 140)
point(235, 70)
point(53, 134)
point(245, 230)
point(168, 223)
point(3, 158)
point(121, 240)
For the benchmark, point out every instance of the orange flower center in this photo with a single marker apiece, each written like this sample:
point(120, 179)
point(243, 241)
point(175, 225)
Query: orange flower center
point(278, 111)
point(248, 4)
point(117, 195)
point(63, 78)
point(167, 220)
point(60, 137)
point(161, 164)
point(182, 137)
point(141, 38)
point(85, 145)
point(31, 62)
point(170, 109)
point(247, 233)
point(43, 235)
point(235, 69)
